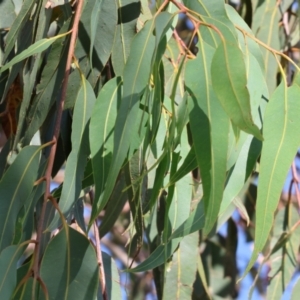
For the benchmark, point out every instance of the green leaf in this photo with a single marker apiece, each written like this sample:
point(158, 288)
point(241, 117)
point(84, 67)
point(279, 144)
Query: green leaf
point(112, 278)
point(97, 32)
point(114, 207)
point(35, 48)
point(136, 77)
point(8, 14)
point(8, 270)
point(193, 223)
point(244, 41)
point(16, 185)
point(80, 149)
point(48, 88)
point(208, 122)
point(296, 290)
point(17, 26)
point(101, 133)
point(241, 171)
point(128, 12)
point(189, 164)
point(181, 271)
point(69, 267)
point(266, 28)
point(281, 123)
point(157, 257)
point(229, 83)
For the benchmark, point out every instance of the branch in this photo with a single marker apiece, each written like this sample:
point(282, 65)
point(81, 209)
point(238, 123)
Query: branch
point(54, 140)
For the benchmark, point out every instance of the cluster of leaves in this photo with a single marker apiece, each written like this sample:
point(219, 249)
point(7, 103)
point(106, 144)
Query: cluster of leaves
point(109, 90)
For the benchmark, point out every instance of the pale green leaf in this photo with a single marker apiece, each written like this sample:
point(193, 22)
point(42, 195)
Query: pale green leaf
point(209, 122)
point(181, 270)
point(229, 82)
point(281, 124)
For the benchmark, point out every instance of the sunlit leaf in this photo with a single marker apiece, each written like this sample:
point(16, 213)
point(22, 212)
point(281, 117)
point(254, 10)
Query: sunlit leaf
point(229, 83)
point(281, 123)
point(209, 122)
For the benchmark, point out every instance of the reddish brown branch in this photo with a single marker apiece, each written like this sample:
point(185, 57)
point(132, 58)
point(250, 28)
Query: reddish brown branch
point(55, 138)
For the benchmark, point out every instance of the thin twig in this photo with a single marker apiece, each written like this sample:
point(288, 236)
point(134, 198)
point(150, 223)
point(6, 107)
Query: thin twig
point(99, 253)
point(55, 138)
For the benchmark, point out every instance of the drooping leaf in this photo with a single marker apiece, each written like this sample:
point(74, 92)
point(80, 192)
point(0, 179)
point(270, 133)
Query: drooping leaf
point(17, 26)
point(128, 12)
point(8, 270)
point(80, 149)
point(281, 123)
point(229, 83)
point(102, 130)
point(69, 267)
point(181, 271)
point(96, 33)
point(136, 76)
point(35, 48)
point(209, 123)
point(266, 28)
point(249, 44)
point(16, 185)
point(47, 90)
point(112, 278)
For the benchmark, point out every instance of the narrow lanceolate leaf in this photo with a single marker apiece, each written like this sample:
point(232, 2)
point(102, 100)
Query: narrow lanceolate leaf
point(80, 149)
point(69, 267)
point(209, 123)
point(101, 131)
point(16, 185)
point(125, 31)
point(281, 126)
point(229, 83)
point(37, 47)
point(8, 270)
point(136, 77)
